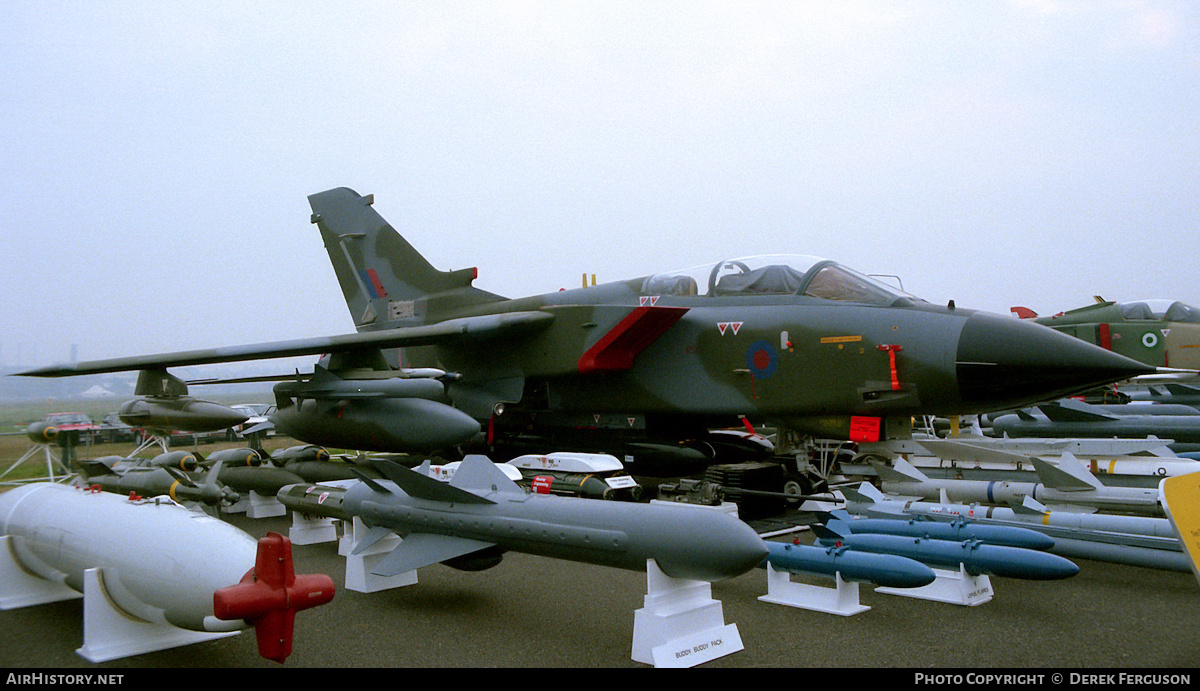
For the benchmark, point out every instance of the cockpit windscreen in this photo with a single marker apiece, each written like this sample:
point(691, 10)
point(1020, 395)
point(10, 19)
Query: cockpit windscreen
point(774, 275)
point(1162, 310)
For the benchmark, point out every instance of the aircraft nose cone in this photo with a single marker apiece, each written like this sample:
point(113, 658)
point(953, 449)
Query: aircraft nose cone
point(1004, 362)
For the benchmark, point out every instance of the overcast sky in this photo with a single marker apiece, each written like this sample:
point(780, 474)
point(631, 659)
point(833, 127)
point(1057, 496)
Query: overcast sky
point(157, 156)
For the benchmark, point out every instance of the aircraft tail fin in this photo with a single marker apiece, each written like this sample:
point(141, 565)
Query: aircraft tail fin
point(385, 281)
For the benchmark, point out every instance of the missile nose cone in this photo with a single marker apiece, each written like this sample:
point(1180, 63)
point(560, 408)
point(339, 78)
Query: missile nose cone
point(1004, 362)
point(1057, 567)
point(214, 415)
point(713, 547)
point(749, 551)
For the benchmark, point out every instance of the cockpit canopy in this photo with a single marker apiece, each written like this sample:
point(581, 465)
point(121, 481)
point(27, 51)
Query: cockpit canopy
point(778, 274)
point(1160, 310)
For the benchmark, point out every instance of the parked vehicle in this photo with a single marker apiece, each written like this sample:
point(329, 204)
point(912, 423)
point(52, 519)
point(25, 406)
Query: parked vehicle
point(78, 424)
point(111, 429)
point(256, 413)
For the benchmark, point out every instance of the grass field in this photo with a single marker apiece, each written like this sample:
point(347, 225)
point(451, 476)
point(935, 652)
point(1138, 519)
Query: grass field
point(13, 447)
point(15, 417)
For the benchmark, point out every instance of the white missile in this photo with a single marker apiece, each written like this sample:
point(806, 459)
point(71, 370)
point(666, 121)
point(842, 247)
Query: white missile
point(157, 563)
point(1067, 482)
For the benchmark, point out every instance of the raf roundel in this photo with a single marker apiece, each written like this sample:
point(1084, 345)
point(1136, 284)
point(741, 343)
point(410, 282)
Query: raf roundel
point(761, 359)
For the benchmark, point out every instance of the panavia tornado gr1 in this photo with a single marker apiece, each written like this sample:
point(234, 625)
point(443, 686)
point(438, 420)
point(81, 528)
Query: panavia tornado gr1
point(651, 363)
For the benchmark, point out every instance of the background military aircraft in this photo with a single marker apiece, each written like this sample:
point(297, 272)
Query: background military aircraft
point(798, 343)
point(1162, 333)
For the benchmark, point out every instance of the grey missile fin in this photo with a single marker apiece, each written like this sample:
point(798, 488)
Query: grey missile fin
point(838, 514)
point(375, 486)
point(836, 527)
point(1074, 411)
point(419, 550)
point(1030, 506)
point(1070, 475)
point(368, 541)
point(824, 532)
point(900, 471)
point(421, 486)
point(477, 472)
point(866, 494)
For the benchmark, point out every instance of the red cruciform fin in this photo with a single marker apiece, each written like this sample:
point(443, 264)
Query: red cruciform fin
point(616, 349)
point(270, 594)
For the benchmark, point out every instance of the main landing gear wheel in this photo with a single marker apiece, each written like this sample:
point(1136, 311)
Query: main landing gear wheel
point(797, 485)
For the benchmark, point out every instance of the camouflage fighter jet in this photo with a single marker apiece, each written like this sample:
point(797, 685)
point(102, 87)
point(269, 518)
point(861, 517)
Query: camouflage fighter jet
point(802, 344)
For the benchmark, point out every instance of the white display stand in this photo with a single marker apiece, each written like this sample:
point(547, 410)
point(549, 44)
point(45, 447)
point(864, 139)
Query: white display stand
point(19, 588)
point(153, 440)
point(264, 506)
point(256, 505)
point(358, 566)
point(346, 541)
point(312, 530)
point(842, 599)
point(680, 624)
point(52, 464)
point(110, 633)
point(954, 587)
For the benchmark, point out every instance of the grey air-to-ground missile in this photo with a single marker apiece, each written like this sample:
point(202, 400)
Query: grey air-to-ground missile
point(1174, 393)
point(161, 562)
point(1070, 418)
point(481, 513)
point(976, 558)
point(958, 530)
point(1135, 540)
point(797, 343)
point(1065, 482)
point(888, 570)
